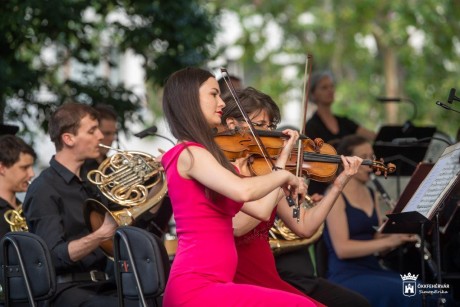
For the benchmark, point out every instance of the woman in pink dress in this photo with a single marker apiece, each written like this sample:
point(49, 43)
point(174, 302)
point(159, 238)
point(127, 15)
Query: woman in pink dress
point(256, 264)
point(206, 192)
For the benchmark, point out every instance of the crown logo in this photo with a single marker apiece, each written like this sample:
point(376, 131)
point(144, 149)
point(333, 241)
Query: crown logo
point(409, 277)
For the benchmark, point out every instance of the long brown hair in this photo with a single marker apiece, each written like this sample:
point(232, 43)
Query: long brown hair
point(181, 107)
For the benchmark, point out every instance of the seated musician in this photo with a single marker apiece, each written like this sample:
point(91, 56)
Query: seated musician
point(155, 220)
point(256, 263)
point(16, 170)
point(352, 240)
point(53, 207)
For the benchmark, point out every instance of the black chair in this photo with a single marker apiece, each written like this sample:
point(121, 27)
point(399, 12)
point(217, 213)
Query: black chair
point(141, 265)
point(27, 273)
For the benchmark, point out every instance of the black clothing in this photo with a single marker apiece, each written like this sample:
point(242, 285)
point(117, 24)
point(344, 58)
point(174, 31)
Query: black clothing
point(4, 226)
point(53, 207)
point(157, 223)
point(91, 164)
point(297, 269)
point(315, 128)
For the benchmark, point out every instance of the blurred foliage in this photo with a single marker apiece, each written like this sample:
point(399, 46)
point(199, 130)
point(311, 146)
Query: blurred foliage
point(52, 50)
point(42, 43)
point(356, 40)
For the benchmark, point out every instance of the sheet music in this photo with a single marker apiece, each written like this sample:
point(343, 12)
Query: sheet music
point(433, 188)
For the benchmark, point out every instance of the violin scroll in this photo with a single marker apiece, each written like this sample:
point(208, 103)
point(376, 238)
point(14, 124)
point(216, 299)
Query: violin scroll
point(379, 167)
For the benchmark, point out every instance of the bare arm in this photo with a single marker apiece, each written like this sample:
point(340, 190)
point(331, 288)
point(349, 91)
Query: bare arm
point(312, 218)
point(243, 222)
point(345, 247)
point(205, 169)
point(262, 209)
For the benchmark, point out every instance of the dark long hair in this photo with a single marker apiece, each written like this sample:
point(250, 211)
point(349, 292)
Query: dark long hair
point(181, 107)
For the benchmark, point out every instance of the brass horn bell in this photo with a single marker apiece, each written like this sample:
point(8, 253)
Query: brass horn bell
point(133, 180)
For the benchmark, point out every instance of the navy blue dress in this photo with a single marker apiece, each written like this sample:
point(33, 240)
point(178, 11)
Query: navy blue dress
point(364, 274)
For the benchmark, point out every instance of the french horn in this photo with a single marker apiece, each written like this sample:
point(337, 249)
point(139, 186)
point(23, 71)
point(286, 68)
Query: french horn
point(283, 240)
point(134, 181)
point(15, 218)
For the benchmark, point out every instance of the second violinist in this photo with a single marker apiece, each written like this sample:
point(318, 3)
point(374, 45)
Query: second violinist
point(256, 263)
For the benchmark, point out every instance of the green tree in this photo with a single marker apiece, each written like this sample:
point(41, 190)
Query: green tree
point(404, 49)
point(41, 40)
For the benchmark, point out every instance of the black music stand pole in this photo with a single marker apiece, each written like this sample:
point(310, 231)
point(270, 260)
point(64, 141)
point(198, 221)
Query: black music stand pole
point(441, 299)
point(422, 258)
point(422, 248)
point(409, 222)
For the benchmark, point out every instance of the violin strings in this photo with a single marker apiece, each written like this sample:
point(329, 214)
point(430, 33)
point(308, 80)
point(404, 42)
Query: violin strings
point(316, 157)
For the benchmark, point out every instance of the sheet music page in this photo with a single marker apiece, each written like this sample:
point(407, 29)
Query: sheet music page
point(436, 184)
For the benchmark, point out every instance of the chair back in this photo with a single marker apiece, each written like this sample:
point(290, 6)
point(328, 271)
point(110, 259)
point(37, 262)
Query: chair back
point(141, 264)
point(27, 272)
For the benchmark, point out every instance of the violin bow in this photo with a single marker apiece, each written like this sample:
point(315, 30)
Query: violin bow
point(303, 122)
point(263, 149)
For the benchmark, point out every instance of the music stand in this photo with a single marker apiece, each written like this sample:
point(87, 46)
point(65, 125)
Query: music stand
point(405, 156)
point(421, 171)
point(428, 201)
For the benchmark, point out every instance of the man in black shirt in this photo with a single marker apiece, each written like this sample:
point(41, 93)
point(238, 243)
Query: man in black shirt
point(53, 207)
point(16, 170)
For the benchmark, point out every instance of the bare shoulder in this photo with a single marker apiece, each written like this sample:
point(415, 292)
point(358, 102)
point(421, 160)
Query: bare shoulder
point(191, 157)
point(339, 205)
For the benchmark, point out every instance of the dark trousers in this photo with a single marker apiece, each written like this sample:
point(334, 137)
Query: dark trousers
point(297, 269)
point(91, 294)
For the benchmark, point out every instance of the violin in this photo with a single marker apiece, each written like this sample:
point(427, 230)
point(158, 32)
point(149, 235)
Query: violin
point(320, 160)
point(238, 143)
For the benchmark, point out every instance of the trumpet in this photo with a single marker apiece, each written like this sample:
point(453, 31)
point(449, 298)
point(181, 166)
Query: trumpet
point(133, 180)
point(15, 218)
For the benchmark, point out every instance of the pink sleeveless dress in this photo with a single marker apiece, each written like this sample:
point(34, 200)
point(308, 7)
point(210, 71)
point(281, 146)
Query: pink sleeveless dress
point(206, 259)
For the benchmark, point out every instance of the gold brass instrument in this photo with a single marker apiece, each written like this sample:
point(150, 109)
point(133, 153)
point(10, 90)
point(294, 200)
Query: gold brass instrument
point(133, 180)
point(16, 219)
point(284, 240)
